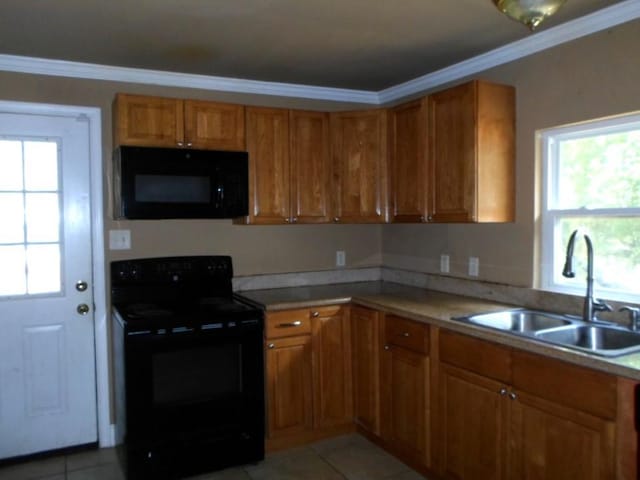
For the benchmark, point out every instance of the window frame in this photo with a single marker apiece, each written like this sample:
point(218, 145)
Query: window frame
point(552, 247)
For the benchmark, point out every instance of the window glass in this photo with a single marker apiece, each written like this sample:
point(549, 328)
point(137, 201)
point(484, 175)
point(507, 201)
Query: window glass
point(592, 184)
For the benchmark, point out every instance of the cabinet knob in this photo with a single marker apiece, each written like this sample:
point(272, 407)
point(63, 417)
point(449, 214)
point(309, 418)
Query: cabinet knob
point(189, 144)
point(387, 347)
point(513, 396)
point(286, 220)
point(271, 345)
point(422, 219)
point(429, 218)
point(405, 334)
point(180, 144)
point(336, 219)
point(295, 220)
point(503, 391)
point(315, 314)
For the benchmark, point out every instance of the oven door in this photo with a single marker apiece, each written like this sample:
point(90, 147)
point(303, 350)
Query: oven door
point(196, 391)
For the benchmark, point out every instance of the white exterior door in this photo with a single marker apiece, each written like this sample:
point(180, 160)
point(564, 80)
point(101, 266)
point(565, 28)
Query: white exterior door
point(47, 349)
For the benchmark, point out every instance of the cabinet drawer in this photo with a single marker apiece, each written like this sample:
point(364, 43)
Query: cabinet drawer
point(570, 385)
point(479, 356)
point(288, 323)
point(406, 333)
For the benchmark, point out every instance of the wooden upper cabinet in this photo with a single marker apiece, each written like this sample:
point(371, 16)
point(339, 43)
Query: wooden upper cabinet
point(211, 125)
point(147, 121)
point(407, 161)
point(472, 153)
point(169, 122)
point(310, 167)
point(269, 182)
point(289, 166)
point(359, 141)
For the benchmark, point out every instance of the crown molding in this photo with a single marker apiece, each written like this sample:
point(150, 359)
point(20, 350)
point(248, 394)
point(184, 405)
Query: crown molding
point(63, 68)
point(602, 19)
point(617, 14)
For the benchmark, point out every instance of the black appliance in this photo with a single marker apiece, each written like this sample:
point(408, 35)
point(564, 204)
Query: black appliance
point(153, 183)
point(189, 367)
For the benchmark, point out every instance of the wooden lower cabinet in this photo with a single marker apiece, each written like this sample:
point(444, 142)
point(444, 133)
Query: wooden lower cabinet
point(365, 324)
point(551, 441)
point(473, 425)
point(537, 422)
point(289, 387)
point(405, 390)
point(331, 355)
point(308, 365)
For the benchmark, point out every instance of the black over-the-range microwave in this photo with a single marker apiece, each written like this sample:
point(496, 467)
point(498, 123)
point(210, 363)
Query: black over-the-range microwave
point(154, 183)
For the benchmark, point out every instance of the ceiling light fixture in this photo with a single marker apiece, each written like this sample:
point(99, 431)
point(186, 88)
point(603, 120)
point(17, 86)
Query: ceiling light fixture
point(529, 12)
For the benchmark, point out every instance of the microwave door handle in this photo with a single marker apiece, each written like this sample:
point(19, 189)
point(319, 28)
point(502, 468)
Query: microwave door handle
point(219, 195)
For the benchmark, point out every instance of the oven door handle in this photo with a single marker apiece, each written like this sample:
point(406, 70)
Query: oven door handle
point(297, 323)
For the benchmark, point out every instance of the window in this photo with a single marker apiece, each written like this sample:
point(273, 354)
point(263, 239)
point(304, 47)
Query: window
point(30, 219)
point(591, 182)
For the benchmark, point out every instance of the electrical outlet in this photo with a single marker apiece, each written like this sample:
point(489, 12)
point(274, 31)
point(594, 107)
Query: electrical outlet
point(341, 258)
point(444, 263)
point(119, 239)
point(474, 266)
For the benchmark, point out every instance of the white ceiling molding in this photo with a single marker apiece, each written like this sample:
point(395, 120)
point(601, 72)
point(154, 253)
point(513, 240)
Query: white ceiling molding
point(606, 18)
point(63, 68)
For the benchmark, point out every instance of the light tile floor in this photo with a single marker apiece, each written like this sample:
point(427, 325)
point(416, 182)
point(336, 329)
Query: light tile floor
point(349, 457)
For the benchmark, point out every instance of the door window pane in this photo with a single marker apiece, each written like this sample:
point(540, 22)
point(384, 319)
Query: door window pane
point(29, 202)
point(42, 217)
point(43, 267)
point(11, 218)
point(13, 276)
point(10, 165)
point(41, 166)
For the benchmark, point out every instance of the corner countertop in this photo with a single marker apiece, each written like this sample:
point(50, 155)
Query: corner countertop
point(436, 308)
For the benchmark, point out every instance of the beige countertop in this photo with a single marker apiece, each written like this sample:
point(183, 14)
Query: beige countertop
point(435, 308)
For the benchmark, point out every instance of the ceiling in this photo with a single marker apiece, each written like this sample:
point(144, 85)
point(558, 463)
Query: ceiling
point(354, 44)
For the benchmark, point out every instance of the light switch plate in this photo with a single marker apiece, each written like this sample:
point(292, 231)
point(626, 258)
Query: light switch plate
point(119, 239)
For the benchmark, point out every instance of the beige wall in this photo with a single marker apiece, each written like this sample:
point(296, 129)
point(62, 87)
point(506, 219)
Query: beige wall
point(591, 77)
point(588, 78)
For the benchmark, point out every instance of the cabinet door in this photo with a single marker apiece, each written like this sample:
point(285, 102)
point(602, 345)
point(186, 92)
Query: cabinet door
point(289, 401)
point(472, 426)
point(365, 324)
point(360, 167)
point(268, 147)
point(212, 125)
point(148, 121)
point(405, 401)
point(452, 157)
point(551, 441)
point(332, 380)
point(407, 168)
point(310, 167)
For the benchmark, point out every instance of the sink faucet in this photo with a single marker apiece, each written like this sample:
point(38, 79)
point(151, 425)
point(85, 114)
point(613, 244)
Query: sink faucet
point(591, 305)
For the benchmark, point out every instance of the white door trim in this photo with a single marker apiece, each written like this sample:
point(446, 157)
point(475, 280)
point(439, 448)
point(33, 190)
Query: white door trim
point(106, 437)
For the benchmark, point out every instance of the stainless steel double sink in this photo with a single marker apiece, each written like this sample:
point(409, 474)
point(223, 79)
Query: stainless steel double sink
point(563, 330)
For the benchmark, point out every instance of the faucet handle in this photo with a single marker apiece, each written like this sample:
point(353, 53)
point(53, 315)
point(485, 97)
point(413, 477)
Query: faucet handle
point(634, 316)
point(600, 306)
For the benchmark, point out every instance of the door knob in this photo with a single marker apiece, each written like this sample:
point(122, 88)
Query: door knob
point(81, 286)
point(83, 309)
